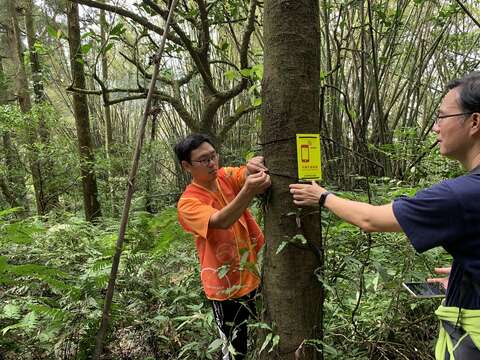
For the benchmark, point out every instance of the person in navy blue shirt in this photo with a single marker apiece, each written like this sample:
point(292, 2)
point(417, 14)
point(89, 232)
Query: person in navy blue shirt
point(446, 214)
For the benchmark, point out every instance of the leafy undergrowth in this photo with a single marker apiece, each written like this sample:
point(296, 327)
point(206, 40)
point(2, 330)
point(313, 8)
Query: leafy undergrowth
point(53, 277)
point(368, 314)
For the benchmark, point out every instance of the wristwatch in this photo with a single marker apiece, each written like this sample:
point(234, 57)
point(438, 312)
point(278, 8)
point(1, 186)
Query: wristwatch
point(323, 197)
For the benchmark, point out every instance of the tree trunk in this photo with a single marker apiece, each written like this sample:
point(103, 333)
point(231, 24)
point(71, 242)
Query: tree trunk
point(149, 200)
point(12, 185)
point(107, 112)
point(108, 116)
point(80, 108)
point(293, 296)
point(49, 191)
point(23, 96)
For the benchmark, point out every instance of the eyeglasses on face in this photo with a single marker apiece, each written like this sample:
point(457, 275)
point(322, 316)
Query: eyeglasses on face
point(439, 118)
point(206, 161)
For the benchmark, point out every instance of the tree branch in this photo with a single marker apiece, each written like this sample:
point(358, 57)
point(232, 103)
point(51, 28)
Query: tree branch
point(127, 98)
point(121, 11)
point(250, 27)
point(200, 62)
point(232, 120)
point(180, 109)
point(182, 81)
point(204, 28)
point(469, 14)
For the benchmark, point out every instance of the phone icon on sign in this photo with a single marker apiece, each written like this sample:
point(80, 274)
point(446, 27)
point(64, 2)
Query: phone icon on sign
point(305, 153)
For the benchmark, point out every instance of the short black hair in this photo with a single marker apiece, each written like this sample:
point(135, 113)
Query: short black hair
point(184, 148)
point(469, 91)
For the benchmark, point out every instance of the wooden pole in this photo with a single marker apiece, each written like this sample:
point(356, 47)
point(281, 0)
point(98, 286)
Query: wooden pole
point(99, 340)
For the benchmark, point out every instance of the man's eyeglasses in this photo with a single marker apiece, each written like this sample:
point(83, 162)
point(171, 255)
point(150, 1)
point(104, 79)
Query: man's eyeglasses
point(439, 118)
point(206, 161)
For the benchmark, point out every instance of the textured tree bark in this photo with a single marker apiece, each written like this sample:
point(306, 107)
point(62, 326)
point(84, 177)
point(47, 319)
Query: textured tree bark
point(293, 297)
point(80, 108)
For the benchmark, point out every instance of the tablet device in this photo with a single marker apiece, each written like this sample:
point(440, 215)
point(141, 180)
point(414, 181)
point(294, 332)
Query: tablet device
point(424, 289)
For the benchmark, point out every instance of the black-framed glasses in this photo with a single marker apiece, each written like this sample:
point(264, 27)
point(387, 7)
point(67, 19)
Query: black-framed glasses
point(206, 161)
point(439, 118)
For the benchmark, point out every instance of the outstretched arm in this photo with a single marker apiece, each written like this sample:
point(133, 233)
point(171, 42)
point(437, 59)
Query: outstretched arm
point(370, 218)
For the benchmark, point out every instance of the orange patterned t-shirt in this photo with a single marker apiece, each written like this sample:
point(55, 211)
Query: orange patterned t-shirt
point(228, 257)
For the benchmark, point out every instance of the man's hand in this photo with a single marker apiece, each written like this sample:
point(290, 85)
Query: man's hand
point(257, 183)
point(256, 165)
point(306, 194)
point(444, 280)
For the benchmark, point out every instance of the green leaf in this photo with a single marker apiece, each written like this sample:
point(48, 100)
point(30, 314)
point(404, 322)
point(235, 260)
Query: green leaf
point(258, 71)
point(231, 74)
point(108, 47)
point(246, 72)
point(28, 322)
point(265, 342)
point(281, 247)
point(214, 345)
point(257, 101)
point(88, 34)
point(275, 341)
point(6, 212)
point(51, 31)
point(118, 29)
point(224, 46)
point(299, 238)
point(86, 48)
point(244, 257)
point(20, 233)
point(11, 311)
point(223, 270)
point(260, 325)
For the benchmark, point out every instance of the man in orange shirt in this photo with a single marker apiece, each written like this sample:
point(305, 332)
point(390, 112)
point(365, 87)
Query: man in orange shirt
point(214, 209)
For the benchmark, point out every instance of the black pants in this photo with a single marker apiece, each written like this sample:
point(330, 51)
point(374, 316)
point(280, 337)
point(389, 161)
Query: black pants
point(231, 317)
point(465, 348)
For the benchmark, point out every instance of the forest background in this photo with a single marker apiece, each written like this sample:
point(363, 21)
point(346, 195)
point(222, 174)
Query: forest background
point(73, 83)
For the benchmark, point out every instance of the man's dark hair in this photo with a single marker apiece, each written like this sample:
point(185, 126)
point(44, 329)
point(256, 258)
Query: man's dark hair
point(469, 91)
point(184, 148)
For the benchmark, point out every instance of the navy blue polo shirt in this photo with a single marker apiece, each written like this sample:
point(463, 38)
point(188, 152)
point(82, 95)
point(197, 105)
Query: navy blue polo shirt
point(448, 215)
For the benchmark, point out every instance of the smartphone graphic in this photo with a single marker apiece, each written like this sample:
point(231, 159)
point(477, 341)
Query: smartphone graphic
point(305, 153)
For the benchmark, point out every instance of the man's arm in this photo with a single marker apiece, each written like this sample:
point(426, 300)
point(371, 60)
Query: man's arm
point(254, 184)
point(370, 218)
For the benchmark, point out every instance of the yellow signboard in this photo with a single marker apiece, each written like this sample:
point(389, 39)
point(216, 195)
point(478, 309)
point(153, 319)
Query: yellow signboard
point(309, 157)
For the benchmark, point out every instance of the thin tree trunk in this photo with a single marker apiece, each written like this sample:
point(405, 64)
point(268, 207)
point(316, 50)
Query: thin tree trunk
point(80, 108)
point(149, 202)
point(108, 116)
point(100, 337)
point(50, 197)
point(107, 112)
point(23, 96)
point(293, 295)
point(7, 190)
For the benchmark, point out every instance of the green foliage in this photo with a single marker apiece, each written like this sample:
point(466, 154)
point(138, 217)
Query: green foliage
point(365, 302)
point(53, 277)
point(10, 118)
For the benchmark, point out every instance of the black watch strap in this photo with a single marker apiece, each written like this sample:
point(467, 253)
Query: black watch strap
point(323, 197)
